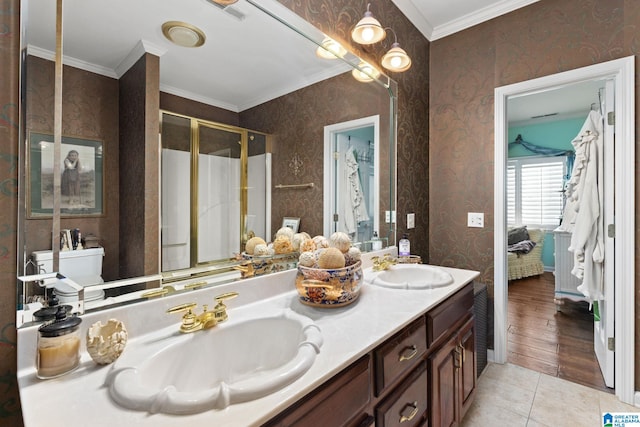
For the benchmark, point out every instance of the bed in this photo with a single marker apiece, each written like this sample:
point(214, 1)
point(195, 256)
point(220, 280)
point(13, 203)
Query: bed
point(523, 264)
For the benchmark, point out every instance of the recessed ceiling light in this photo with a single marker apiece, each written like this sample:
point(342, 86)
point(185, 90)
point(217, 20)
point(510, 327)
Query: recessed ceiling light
point(183, 34)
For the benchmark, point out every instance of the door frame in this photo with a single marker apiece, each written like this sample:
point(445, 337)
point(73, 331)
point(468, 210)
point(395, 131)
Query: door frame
point(329, 172)
point(622, 71)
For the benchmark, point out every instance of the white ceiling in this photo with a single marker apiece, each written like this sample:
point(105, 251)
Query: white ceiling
point(440, 18)
point(227, 71)
point(436, 19)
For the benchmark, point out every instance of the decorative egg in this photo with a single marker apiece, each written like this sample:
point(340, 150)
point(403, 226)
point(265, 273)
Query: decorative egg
point(285, 231)
point(321, 242)
point(340, 240)
point(105, 343)
point(251, 244)
point(282, 245)
point(352, 256)
point(261, 249)
point(307, 259)
point(331, 258)
point(307, 245)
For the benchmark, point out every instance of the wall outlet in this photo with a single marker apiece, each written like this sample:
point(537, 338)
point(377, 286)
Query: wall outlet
point(411, 220)
point(475, 219)
point(390, 216)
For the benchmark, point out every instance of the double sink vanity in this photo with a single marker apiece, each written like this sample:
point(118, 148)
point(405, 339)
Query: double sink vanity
point(402, 356)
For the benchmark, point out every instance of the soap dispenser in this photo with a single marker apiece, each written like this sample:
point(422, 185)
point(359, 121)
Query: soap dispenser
point(376, 243)
point(404, 246)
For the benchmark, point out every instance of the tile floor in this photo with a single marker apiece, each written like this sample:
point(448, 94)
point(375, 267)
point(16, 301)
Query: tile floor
point(509, 395)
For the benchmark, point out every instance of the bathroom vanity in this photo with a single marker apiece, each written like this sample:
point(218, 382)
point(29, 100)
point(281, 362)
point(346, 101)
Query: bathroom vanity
point(394, 357)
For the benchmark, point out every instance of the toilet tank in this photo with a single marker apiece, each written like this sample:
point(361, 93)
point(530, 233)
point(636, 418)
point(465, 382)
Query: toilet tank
point(84, 265)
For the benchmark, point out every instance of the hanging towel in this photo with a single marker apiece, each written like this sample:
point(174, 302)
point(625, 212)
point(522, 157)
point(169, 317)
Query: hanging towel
point(354, 207)
point(584, 210)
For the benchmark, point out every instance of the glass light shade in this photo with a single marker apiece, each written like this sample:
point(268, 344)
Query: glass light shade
point(331, 49)
point(365, 72)
point(183, 34)
point(396, 59)
point(368, 30)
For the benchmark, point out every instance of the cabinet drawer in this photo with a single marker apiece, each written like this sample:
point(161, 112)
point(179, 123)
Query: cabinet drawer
point(338, 403)
point(407, 406)
point(400, 354)
point(448, 313)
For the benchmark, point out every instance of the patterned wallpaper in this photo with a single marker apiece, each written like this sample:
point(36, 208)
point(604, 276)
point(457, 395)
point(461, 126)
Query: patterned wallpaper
point(544, 38)
point(336, 18)
point(10, 414)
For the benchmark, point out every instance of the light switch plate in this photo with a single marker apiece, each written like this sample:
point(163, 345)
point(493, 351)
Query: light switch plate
point(475, 219)
point(390, 216)
point(411, 220)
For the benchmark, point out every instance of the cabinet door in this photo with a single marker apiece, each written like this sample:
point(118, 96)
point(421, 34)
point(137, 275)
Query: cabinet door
point(467, 343)
point(443, 370)
point(340, 402)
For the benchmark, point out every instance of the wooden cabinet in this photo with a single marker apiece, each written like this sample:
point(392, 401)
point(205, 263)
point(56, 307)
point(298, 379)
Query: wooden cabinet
point(423, 375)
point(453, 377)
point(340, 402)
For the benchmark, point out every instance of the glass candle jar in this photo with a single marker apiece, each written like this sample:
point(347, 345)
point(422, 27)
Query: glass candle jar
point(58, 346)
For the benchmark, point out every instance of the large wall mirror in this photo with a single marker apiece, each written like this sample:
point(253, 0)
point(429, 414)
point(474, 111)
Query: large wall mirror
point(251, 66)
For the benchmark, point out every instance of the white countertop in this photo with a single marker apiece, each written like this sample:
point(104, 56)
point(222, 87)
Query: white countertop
point(81, 398)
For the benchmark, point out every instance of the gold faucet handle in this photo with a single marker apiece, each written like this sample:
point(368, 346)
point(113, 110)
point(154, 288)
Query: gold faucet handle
point(190, 322)
point(220, 310)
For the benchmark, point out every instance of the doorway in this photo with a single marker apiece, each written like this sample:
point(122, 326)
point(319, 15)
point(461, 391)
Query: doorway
point(622, 73)
point(351, 181)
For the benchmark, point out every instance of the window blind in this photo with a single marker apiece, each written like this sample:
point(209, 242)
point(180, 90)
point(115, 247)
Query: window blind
point(534, 191)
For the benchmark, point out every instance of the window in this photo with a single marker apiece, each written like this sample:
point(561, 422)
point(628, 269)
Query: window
point(534, 191)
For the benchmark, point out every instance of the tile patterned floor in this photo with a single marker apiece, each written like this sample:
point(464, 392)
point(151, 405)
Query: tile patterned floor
point(509, 395)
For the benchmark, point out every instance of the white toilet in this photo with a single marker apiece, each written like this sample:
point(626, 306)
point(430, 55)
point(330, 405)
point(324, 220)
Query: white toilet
point(83, 266)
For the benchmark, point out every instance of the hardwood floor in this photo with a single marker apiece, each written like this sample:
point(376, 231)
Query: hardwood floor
point(557, 343)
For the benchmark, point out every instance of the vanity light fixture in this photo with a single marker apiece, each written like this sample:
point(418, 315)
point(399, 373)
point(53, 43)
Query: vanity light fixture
point(330, 49)
point(396, 59)
point(183, 34)
point(365, 72)
point(368, 30)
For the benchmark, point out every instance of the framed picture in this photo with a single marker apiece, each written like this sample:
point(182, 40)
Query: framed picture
point(81, 176)
point(292, 223)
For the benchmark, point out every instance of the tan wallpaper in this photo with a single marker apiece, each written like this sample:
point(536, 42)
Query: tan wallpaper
point(337, 18)
point(544, 38)
point(91, 111)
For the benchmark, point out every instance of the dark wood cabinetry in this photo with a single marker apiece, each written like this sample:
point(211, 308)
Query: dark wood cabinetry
point(424, 375)
point(453, 377)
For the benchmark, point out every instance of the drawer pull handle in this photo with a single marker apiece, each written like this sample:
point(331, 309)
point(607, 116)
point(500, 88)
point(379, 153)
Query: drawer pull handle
point(414, 411)
point(461, 351)
point(408, 353)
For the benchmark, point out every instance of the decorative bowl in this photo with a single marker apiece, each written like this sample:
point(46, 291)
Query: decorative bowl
point(265, 264)
point(329, 287)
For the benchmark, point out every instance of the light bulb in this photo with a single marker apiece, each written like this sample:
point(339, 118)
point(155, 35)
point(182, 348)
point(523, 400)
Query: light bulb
point(396, 61)
point(367, 34)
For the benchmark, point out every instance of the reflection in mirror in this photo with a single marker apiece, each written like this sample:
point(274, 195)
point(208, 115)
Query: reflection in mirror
point(116, 83)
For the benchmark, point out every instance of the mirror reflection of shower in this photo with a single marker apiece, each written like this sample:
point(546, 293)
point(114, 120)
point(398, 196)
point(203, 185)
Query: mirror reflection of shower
point(353, 189)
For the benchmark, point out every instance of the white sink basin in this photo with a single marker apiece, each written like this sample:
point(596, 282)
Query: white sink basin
point(409, 276)
point(233, 362)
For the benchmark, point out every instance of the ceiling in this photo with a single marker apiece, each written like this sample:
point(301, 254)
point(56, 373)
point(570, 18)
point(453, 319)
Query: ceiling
point(439, 18)
point(227, 71)
point(436, 19)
